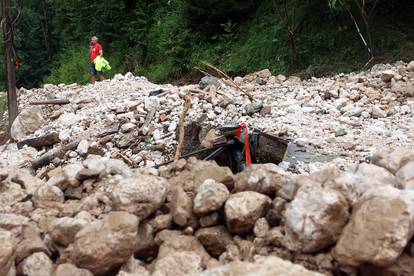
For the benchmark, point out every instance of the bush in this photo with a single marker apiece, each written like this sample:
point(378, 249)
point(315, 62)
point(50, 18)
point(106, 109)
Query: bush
point(71, 66)
point(74, 66)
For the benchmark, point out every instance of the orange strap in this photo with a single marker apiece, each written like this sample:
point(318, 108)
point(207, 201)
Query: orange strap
point(243, 127)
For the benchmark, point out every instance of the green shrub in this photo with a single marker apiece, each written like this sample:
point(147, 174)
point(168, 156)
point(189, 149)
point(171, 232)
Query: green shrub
point(71, 66)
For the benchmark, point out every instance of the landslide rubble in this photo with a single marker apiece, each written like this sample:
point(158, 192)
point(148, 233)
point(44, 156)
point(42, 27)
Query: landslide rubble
point(102, 208)
point(154, 222)
point(344, 118)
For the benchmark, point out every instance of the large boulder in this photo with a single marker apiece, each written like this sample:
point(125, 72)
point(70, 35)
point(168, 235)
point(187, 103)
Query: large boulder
point(263, 266)
point(71, 270)
point(141, 195)
point(210, 197)
point(354, 183)
point(31, 243)
point(243, 209)
point(215, 239)
point(7, 250)
point(378, 230)
point(63, 230)
point(104, 245)
point(315, 218)
point(27, 122)
point(37, 264)
point(393, 159)
point(261, 178)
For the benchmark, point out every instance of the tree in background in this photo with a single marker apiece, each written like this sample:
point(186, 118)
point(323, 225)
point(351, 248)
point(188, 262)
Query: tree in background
point(366, 9)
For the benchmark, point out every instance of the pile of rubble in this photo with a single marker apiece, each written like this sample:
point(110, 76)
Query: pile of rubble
point(343, 118)
point(80, 193)
point(100, 217)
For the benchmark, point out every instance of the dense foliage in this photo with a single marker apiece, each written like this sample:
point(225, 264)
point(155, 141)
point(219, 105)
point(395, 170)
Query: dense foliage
point(166, 39)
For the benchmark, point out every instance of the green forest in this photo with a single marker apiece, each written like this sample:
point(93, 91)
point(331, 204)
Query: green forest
point(165, 40)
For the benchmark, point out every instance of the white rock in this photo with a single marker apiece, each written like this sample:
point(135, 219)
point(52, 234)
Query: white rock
point(315, 218)
point(210, 197)
point(27, 122)
point(68, 119)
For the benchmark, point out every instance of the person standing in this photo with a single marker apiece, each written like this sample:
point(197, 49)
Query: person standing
point(96, 50)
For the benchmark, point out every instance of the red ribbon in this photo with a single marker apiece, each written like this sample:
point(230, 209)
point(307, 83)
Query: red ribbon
point(239, 131)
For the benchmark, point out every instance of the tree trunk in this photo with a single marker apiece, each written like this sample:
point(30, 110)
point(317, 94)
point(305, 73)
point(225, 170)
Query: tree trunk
point(9, 57)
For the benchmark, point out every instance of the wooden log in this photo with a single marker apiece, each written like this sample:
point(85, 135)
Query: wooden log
point(181, 125)
point(46, 140)
point(10, 60)
point(50, 155)
point(50, 101)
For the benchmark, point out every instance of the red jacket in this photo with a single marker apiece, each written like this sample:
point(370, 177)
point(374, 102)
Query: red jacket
point(95, 51)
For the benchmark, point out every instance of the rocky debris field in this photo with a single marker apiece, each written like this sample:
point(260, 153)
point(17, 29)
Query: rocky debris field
point(80, 193)
point(344, 118)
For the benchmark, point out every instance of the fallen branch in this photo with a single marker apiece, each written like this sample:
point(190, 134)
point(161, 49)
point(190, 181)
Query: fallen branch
point(126, 159)
point(181, 125)
point(46, 158)
point(228, 78)
point(46, 140)
point(51, 101)
point(148, 119)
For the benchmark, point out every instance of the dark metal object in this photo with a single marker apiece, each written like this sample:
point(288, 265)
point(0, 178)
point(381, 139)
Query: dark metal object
point(265, 148)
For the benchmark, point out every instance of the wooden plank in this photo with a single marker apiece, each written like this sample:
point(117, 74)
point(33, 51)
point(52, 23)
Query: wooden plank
point(46, 140)
point(50, 101)
point(50, 155)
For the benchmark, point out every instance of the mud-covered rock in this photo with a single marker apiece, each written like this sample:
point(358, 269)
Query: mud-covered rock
point(262, 266)
point(215, 239)
point(243, 209)
point(377, 232)
point(104, 245)
point(261, 178)
point(181, 206)
point(141, 196)
point(63, 230)
point(71, 270)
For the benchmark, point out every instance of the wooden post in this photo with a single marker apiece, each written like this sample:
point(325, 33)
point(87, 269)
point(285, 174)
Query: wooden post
point(9, 57)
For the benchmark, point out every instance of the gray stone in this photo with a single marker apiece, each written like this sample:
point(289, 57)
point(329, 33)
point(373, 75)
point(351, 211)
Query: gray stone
point(254, 107)
point(209, 80)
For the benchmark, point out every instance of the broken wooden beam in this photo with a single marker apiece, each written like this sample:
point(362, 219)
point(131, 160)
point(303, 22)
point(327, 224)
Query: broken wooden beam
point(181, 125)
point(50, 101)
point(46, 158)
point(46, 140)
